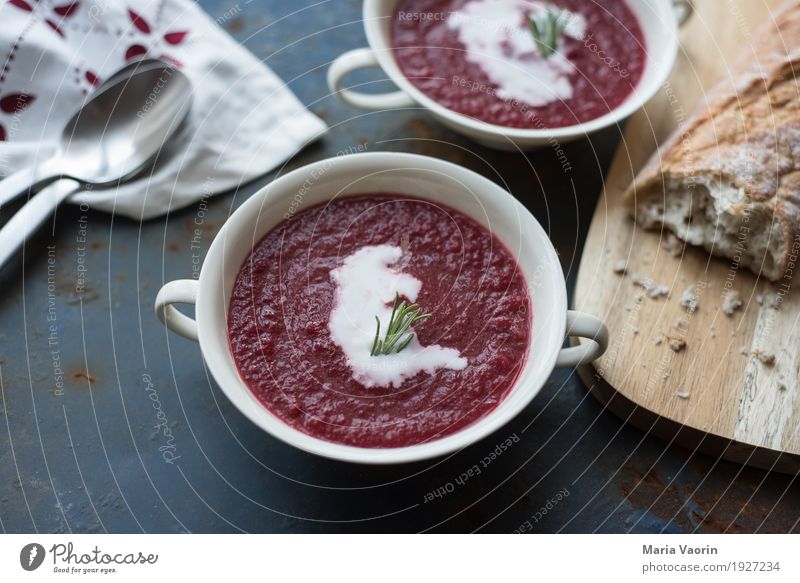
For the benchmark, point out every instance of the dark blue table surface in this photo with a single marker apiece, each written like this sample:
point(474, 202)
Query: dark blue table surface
point(90, 457)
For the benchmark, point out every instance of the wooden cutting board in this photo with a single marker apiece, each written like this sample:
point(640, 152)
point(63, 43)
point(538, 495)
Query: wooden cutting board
point(715, 395)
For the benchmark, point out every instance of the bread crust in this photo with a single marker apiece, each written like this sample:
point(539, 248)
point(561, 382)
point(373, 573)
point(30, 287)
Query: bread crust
point(746, 134)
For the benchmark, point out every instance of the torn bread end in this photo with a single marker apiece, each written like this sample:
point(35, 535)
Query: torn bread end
point(718, 216)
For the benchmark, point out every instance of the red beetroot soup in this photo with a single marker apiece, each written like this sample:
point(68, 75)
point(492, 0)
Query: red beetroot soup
point(479, 58)
point(302, 321)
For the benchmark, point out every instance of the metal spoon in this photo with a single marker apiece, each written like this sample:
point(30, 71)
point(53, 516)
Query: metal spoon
point(129, 69)
point(97, 138)
point(13, 185)
point(112, 139)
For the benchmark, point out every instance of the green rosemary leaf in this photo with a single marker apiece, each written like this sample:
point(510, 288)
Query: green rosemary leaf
point(376, 343)
point(405, 342)
point(546, 28)
point(398, 331)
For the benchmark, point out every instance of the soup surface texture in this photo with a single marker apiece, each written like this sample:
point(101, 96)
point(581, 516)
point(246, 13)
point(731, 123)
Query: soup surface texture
point(301, 335)
point(480, 58)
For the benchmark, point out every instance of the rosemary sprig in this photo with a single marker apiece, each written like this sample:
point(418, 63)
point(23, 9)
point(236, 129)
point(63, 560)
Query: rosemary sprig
point(547, 27)
point(398, 333)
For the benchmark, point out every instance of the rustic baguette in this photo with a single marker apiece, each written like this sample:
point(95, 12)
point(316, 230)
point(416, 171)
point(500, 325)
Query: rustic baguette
point(729, 179)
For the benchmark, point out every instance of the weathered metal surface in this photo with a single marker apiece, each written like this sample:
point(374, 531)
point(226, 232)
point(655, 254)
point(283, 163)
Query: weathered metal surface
point(109, 423)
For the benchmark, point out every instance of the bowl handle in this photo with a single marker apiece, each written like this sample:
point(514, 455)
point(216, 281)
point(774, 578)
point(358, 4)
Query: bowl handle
point(180, 291)
point(360, 59)
point(683, 10)
point(585, 326)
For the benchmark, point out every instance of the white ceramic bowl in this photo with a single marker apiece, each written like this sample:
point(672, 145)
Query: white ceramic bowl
point(659, 20)
point(421, 177)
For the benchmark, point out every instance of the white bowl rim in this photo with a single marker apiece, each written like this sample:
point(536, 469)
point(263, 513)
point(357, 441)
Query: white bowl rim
point(625, 109)
point(219, 360)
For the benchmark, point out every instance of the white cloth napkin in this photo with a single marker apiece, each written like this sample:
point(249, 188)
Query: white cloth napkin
point(244, 121)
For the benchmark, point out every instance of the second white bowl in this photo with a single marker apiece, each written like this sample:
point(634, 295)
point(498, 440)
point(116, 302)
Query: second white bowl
point(659, 20)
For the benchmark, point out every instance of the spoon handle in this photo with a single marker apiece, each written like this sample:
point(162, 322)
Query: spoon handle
point(27, 219)
point(25, 179)
point(16, 184)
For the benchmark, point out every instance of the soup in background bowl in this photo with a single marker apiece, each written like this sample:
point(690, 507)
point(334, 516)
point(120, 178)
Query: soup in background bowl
point(480, 58)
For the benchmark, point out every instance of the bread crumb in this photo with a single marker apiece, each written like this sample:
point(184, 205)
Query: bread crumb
point(760, 299)
point(712, 332)
point(767, 358)
point(781, 387)
point(635, 329)
point(676, 343)
point(620, 267)
point(658, 339)
point(665, 377)
point(682, 394)
point(731, 303)
point(679, 324)
point(771, 301)
point(689, 300)
point(672, 244)
point(638, 298)
point(651, 289)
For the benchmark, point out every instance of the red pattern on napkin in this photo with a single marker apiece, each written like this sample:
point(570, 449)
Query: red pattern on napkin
point(57, 17)
point(54, 52)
